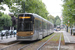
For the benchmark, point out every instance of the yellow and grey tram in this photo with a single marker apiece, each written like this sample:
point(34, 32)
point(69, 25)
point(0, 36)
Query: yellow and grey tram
point(32, 27)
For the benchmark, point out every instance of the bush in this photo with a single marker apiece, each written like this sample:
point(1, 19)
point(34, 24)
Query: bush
point(5, 21)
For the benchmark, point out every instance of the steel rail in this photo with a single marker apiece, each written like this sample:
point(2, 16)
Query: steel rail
point(23, 46)
point(59, 43)
point(45, 42)
point(10, 46)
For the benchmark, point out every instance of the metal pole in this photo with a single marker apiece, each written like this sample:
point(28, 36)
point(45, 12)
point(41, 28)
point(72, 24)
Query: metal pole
point(23, 6)
point(67, 28)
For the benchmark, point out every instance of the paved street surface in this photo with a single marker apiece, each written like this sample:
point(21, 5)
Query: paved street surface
point(52, 45)
point(10, 36)
point(68, 37)
point(8, 40)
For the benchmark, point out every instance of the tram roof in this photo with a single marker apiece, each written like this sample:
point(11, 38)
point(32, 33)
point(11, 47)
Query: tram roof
point(35, 15)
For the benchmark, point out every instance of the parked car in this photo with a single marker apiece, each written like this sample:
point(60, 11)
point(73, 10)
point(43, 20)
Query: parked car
point(58, 28)
point(4, 32)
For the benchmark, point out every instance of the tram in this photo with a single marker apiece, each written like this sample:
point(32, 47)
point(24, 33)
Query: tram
point(31, 27)
point(58, 28)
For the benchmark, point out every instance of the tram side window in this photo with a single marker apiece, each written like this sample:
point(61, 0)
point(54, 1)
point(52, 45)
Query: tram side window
point(36, 24)
point(51, 27)
point(48, 26)
point(43, 26)
point(39, 25)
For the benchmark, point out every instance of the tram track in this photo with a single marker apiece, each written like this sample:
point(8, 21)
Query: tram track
point(46, 43)
point(59, 43)
point(17, 46)
point(25, 47)
point(33, 45)
point(10, 46)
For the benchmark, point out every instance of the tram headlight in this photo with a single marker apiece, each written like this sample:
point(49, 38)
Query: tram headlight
point(31, 33)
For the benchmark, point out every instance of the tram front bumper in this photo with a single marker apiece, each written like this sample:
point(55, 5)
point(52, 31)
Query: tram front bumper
point(26, 38)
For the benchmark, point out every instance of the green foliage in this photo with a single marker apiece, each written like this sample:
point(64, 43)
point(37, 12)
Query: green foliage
point(69, 11)
point(57, 21)
point(1, 14)
point(29, 6)
point(1, 1)
point(5, 20)
point(36, 6)
point(1, 23)
point(7, 2)
point(51, 18)
point(51, 21)
point(2, 8)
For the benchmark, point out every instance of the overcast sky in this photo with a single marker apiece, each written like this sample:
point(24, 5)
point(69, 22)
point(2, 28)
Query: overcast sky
point(54, 7)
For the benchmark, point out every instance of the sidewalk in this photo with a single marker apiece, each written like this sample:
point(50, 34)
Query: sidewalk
point(68, 37)
point(8, 41)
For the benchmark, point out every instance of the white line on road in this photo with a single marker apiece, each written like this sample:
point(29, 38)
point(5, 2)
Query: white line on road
point(66, 36)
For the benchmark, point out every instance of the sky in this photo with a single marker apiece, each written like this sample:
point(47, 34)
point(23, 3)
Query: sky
point(54, 7)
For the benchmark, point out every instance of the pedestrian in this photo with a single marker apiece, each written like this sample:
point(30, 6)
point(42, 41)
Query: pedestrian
point(71, 31)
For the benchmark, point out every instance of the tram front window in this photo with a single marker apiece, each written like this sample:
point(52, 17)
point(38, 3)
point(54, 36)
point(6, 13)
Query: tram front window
point(25, 22)
point(26, 26)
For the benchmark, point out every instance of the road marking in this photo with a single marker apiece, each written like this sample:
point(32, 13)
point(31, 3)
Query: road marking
point(68, 39)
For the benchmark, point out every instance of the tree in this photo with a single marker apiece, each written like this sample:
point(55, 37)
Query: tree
point(1, 1)
point(69, 11)
point(5, 21)
point(57, 21)
point(35, 6)
point(51, 18)
point(7, 2)
point(1, 14)
point(29, 6)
